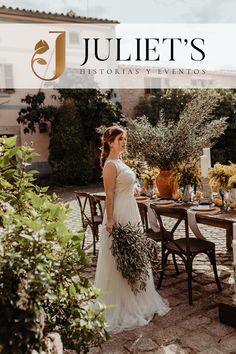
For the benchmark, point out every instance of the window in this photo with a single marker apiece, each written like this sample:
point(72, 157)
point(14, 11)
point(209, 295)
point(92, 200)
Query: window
point(200, 83)
point(74, 38)
point(152, 84)
point(6, 79)
point(194, 83)
point(167, 83)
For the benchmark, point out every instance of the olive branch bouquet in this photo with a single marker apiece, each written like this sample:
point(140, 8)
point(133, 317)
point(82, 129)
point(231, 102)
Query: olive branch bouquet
point(134, 253)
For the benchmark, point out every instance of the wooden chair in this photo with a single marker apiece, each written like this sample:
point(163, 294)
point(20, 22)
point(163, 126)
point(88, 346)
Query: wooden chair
point(143, 210)
point(89, 215)
point(99, 203)
point(186, 247)
point(154, 235)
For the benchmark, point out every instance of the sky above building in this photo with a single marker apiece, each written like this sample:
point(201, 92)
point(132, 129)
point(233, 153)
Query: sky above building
point(139, 11)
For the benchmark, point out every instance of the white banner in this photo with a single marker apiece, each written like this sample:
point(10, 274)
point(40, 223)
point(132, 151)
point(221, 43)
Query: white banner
point(107, 56)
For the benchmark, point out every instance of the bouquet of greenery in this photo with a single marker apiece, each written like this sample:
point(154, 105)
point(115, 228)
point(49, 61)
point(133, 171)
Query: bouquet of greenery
point(134, 253)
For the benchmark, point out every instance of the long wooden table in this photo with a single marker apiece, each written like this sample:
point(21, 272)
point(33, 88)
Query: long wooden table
point(223, 220)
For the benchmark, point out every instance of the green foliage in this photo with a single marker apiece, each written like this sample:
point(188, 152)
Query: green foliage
point(74, 153)
point(94, 107)
point(35, 112)
point(172, 103)
point(41, 260)
point(134, 253)
point(168, 142)
point(225, 149)
point(69, 151)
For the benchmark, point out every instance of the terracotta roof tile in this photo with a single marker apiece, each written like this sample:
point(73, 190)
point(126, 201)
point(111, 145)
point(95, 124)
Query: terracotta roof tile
point(51, 16)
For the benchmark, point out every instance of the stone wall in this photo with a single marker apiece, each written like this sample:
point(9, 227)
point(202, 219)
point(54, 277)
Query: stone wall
point(10, 105)
point(129, 98)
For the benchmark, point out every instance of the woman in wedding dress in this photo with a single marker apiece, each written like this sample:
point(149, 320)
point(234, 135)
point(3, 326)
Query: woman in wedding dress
point(128, 310)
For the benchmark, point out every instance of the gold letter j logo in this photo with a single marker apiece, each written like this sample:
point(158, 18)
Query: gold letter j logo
point(42, 46)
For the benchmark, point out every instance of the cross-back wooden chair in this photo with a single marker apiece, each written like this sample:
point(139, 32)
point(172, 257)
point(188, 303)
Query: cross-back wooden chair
point(143, 210)
point(187, 248)
point(99, 203)
point(154, 235)
point(89, 215)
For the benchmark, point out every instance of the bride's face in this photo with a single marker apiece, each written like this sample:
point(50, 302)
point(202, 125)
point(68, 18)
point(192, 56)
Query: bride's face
point(119, 144)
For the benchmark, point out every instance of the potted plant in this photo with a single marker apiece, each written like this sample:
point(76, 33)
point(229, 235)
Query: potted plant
point(168, 143)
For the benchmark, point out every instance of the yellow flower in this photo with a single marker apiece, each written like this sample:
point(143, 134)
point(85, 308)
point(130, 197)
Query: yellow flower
point(149, 176)
point(222, 176)
point(185, 173)
point(232, 182)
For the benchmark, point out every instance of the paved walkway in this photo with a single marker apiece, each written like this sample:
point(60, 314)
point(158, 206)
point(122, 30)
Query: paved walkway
point(185, 329)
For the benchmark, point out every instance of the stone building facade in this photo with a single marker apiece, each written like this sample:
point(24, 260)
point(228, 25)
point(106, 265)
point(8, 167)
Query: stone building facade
point(10, 99)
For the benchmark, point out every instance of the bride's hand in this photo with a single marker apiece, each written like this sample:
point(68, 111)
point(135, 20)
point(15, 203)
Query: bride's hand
point(109, 226)
point(136, 192)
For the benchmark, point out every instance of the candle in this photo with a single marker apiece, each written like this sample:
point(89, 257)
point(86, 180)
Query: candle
point(204, 165)
point(207, 152)
point(234, 230)
point(234, 251)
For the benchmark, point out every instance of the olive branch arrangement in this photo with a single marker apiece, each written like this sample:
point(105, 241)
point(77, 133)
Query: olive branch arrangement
point(135, 255)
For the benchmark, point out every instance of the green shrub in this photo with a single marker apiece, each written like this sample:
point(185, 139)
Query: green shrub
point(69, 152)
point(173, 102)
point(41, 286)
point(74, 145)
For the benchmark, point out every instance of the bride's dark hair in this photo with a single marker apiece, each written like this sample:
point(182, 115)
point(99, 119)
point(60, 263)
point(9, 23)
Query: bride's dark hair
point(108, 137)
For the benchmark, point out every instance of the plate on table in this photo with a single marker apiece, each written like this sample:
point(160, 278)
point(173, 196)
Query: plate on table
point(203, 207)
point(142, 198)
point(163, 202)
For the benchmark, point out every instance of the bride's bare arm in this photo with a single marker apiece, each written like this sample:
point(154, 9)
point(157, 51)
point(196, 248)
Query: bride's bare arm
point(109, 180)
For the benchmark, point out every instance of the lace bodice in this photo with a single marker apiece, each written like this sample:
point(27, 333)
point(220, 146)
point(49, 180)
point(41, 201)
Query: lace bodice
point(125, 179)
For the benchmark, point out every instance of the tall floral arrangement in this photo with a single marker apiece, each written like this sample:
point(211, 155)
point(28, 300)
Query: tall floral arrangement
point(168, 142)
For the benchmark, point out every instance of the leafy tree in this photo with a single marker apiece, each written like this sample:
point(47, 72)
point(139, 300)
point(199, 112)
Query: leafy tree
point(69, 151)
point(172, 103)
point(95, 108)
point(225, 149)
point(92, 108)
point(168, 142)
point(35, 112)
point(41, 283)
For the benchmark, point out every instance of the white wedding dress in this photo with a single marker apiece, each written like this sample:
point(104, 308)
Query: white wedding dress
point(128, 310)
